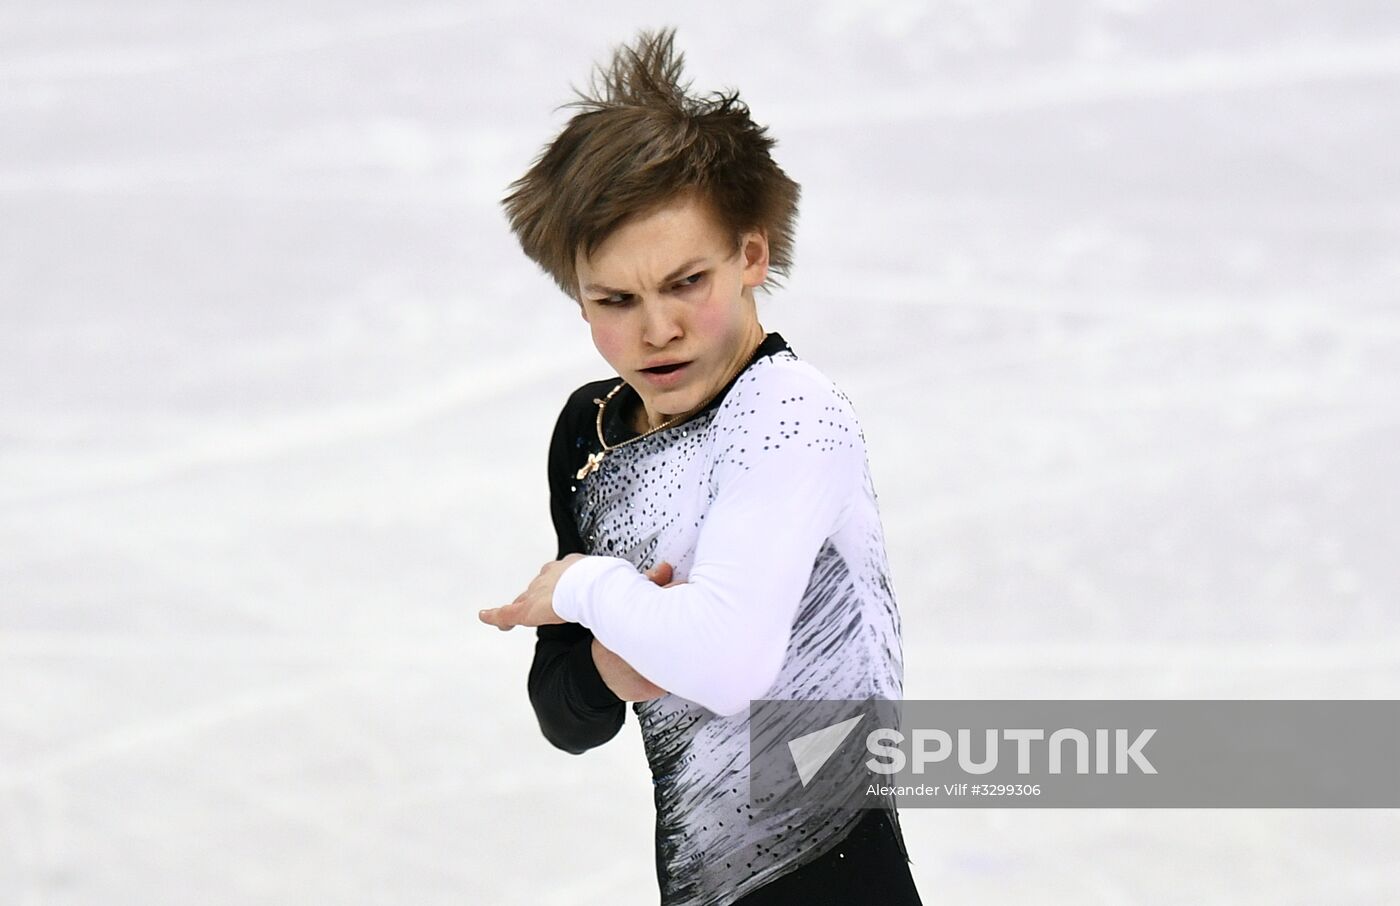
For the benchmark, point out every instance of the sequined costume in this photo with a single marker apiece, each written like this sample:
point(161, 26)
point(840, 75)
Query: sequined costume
point(763, 504)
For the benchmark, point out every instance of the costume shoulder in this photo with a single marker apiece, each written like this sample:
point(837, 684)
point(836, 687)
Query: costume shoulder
point(575, 431)
point(575, 436)
point(581, 407)
point(790, 400)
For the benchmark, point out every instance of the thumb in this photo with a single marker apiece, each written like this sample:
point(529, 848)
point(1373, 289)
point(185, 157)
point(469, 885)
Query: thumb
point(493, 617)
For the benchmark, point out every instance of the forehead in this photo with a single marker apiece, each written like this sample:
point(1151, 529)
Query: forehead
point(652, 244)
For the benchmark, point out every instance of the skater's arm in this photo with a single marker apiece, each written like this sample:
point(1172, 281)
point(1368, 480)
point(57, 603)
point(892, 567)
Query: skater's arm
point(573, 703)
point(574, 706)
point(578, 688)
point(720, 638)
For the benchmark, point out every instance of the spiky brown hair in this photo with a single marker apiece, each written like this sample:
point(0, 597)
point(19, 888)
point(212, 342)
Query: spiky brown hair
point(639, 141)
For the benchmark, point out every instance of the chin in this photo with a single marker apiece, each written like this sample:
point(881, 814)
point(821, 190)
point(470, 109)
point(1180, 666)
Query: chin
point(674, 403)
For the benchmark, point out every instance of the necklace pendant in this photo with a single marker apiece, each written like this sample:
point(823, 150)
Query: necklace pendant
point(594, 461)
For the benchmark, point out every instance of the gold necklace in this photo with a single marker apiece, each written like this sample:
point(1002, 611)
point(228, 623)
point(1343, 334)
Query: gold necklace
point(596, 459)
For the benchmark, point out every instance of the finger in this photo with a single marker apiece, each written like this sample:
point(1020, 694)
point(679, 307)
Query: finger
point(496, 616)
point(660, 573)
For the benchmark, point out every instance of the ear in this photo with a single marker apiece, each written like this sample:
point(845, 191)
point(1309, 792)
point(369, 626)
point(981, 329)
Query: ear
point(582, 309)
point(753, 247)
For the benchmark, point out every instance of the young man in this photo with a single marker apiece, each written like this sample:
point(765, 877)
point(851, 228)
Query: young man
point(718, 535)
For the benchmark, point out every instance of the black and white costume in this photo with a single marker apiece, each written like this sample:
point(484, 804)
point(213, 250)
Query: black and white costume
point(763, 504)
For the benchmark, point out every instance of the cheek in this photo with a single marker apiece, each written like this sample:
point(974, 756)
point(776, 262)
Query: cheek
point(608, 335)
point(717, 316)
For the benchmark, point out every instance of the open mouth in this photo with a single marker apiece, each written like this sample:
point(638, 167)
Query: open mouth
point(665, 369)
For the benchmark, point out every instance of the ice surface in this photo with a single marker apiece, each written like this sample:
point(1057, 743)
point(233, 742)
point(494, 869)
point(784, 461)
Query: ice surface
point(1112, 285)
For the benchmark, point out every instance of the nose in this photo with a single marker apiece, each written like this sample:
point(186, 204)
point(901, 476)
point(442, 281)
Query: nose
point(660, 322)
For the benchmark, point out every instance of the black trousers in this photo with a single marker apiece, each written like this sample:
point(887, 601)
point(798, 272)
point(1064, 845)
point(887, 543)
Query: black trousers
point(864, 869)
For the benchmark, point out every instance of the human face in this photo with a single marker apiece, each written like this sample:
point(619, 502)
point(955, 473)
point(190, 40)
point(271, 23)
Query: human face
point(669, 301)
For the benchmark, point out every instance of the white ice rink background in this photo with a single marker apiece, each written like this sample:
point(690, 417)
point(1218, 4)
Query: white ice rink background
point(1113, 286)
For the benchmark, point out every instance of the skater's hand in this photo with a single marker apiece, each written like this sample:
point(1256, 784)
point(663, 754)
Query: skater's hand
point(535, 605)
point(625, 682)
point(661, 574)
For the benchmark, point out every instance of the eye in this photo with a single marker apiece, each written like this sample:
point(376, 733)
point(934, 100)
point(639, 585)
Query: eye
point(692, 280)
point(616, 299)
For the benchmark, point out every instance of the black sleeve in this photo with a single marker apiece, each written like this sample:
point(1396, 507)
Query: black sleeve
point(576, 709)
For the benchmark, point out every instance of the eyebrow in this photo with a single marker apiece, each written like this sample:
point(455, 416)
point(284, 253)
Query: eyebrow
point(676, 274)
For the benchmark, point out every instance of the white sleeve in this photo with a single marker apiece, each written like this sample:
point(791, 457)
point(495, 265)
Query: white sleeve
point(781, 491)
